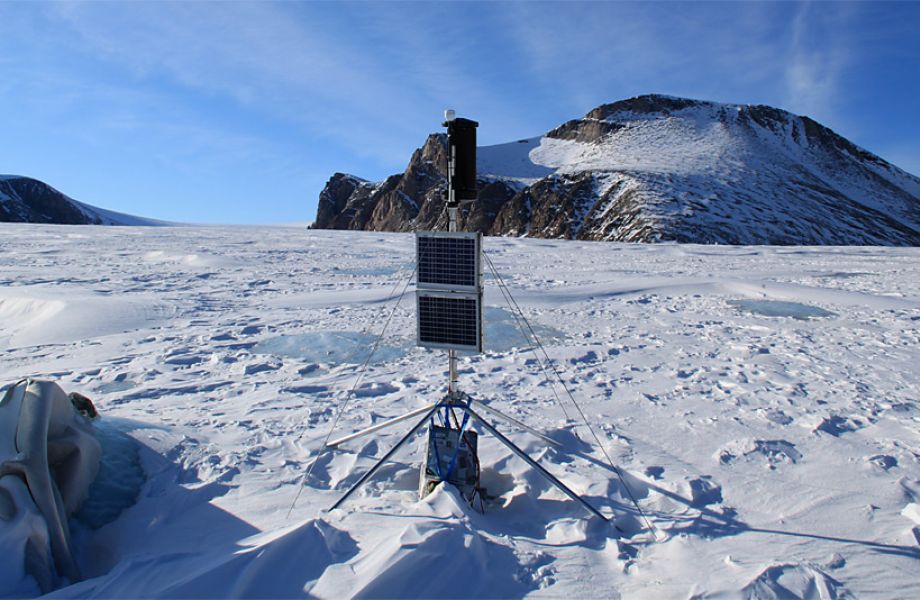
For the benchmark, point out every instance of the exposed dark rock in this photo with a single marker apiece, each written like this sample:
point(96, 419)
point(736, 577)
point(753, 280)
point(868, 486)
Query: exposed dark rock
point(584, 130)
point(27, 200)
point(553, 207)
point(647, 104)
point(414, 199)
point(343, 201)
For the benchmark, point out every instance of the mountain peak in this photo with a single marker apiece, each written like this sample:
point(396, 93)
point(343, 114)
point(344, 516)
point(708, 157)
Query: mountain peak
point(658, 168)
point(645, 104)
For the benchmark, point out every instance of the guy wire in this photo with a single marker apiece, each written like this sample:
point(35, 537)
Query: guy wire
point(350, 395)
point(584, 418)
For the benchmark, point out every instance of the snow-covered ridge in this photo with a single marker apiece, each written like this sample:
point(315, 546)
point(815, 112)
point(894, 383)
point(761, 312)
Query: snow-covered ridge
point(660, 168)
point(23, 199)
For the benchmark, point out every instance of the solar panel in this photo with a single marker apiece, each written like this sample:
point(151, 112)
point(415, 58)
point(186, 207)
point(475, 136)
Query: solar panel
point(448, 261)
point(449, 320)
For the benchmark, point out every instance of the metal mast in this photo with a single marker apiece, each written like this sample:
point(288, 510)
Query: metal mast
point(453, 206)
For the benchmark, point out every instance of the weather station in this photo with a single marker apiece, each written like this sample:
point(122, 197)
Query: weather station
point(449, 298)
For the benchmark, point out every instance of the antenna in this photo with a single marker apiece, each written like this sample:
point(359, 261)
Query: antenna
point(449, 311)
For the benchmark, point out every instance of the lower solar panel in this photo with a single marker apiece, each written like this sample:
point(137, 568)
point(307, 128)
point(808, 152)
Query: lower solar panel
point(450, 320)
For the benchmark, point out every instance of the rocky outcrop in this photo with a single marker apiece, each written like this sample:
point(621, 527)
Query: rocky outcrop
point(656, 168)
point(412, 200)
point(27, 200)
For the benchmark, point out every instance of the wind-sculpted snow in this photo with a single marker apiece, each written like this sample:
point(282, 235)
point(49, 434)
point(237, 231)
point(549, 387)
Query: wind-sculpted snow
point(760, 402)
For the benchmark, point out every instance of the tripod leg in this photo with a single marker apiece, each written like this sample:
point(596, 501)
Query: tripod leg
point(515, 422)
point(386, 457)
point(535, 465)
point(380, 426)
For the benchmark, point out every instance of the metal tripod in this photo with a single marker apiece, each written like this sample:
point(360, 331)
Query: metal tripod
point(466, 404)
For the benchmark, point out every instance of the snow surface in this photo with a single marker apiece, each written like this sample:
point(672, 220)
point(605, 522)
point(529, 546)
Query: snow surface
point(776, 455)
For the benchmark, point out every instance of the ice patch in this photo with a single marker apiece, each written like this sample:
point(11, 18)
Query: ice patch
point(781, 308)
point(371, 271)
point(349, 347)
point(502, 331)
point(331, 347)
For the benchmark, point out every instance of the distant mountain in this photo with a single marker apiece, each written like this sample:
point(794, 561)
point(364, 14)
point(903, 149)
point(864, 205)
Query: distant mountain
point(27, 200)
point(651, 169)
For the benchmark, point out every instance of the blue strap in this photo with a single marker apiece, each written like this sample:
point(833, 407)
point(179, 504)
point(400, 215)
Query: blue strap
point(453, 460)
point(437, 455)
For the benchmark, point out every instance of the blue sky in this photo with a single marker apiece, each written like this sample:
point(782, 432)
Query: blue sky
point(239, 112)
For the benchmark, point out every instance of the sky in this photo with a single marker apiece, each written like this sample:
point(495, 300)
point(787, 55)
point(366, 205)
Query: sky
point(238, 112)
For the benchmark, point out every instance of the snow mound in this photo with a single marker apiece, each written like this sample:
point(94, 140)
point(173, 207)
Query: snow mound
point(445, 558)
point(56, 316)
point(279, 564)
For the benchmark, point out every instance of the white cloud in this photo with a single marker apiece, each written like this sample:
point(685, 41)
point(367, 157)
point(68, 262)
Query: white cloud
point(370, 78)
point(601, 52)
point(817, 58)
point(258, 54)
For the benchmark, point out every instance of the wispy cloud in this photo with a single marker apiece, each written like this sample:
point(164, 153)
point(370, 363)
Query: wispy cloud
point(605, 51)
point(338, 71)
point(817, 57)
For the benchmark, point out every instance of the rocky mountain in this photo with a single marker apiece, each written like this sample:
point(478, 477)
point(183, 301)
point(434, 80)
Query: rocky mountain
point(650, 169)
point(27, 200)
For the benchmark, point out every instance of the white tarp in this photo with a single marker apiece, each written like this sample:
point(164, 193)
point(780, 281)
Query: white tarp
point(49, 456)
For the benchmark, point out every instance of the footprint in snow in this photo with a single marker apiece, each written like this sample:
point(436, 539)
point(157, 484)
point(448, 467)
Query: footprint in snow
point(883, 461)
point(774, 451)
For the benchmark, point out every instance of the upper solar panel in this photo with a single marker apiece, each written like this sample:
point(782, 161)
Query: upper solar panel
point(448, 261)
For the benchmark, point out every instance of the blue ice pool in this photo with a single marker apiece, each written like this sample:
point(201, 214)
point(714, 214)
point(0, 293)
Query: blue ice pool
point(332, 347)
point(503, 331)
point(781, 308)
point(120, 477)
